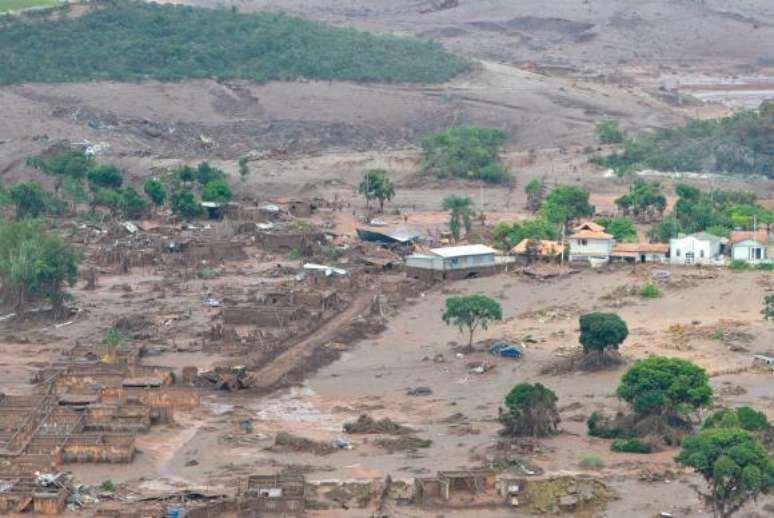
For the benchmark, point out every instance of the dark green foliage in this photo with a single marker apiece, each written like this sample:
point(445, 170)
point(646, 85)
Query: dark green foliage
point(740, 144)
point(665, 387)
point(376, 186)
point(35, 265)
point(631, 446)
point(244, 169)
point(622, 229)
point(602, 331)
point(735, 465)
point(643, 202)
point(61, 165)
point(217, 191)
point(608, 132)
point(599, 427)
point(530, 410)
point(739, 265)
point(535, 191)
point(105, 177)
point(131, 40)
point(108, 198)
point(742, 417)
point(205, 174)
point(467, 152)
point(768, 308)
point(650, 291)
point(507, 236)
point(132, 204)
point(471, 312)
point(156, 191)
point(185, 174)
point(30, 199)
point(566, 203)
point(460, 213)
point(184, 204)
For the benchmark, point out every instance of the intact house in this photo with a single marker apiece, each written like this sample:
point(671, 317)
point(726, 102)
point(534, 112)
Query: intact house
point(589, 243)
point(640, 252)
point(698, 248)
point(456, 262)
point(750, 246)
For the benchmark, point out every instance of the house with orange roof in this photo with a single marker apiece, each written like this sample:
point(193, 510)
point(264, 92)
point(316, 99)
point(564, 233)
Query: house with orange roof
point(541, 249)
point(750, 246)
point(640, 252)
point(590, 243)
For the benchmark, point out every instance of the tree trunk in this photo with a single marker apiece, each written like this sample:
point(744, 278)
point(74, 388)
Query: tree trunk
point(381, 205)
point(469, 349)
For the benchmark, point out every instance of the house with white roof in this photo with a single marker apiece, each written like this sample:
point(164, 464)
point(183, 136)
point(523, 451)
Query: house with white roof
point(456, 262)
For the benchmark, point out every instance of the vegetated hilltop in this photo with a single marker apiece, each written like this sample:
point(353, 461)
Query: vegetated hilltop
point(15, 5)
point(740, 144)
point(138, 40)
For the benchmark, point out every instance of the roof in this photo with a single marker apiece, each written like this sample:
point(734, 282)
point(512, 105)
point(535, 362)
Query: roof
point(760, 235)
point(591, 234)
point(545, 247)
point(462, 251)
point(589, 225)
point(702, 236)
point(638, 248)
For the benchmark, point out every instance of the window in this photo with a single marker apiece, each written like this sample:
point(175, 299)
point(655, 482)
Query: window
point(701, 253)
point(677, 252)
point(583, 242)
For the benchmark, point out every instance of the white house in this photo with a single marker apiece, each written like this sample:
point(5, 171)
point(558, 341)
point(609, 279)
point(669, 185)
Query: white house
point(698, 248)
point(750, 246)
point(590, 243)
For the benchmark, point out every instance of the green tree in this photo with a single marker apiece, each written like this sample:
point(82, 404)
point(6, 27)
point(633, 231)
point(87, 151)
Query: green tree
point(184, 204)
point(622, 229)
point(506, 236)
point(735, 465)
point(742, 417)
point(217, 191)
point(643, 202)
point(600, 332)
point(467, 152)
point(768, 308)
point(608, 132)
point(132, 204)
point(376, 186)
point(63, 165)
point(156, 191)
point(108, 198)
point(536, 191)
point(185, 174)
point(244, 169)
point(471, 312)
point(30, 199)
point(566, 203)
point(530, 410)
point(105, 177)
point(460, 214)
point(668, 387)
point(205, 174)
point(35, 266)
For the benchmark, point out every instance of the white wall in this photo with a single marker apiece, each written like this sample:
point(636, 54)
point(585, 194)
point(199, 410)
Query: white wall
point(704, 252)
point(593, 247)
point(745, 250)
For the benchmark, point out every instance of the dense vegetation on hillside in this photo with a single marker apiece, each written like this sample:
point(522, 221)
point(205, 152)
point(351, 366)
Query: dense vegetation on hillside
point(15, 5)
point(132, 40)
point(740, 144)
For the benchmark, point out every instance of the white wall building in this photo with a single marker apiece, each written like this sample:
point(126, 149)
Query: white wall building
point(698, 248)
point(750, 246)
point(590, 243)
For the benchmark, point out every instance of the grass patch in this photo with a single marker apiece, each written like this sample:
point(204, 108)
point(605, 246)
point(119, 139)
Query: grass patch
point(739, 265)
point(592, 461)
point(650, 291)
point(18, 5)
point(631, 446)
point(131, 40)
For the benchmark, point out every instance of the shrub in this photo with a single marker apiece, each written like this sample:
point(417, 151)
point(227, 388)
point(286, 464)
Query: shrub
point(105, 177)
point(184, 204)
point(217, 191)
point(467, 152)
point(739, 265)
point(155, 191)
point(592, 461)
point(114, 338)
point(294, 254)
point(631, 446)
point(136, 40)
point(742, 417)
point(107, 486)
point(608, 132)
point(650, 291)
point(598, 427)
point(205, 273)
point(30, 199)
point(765, 267)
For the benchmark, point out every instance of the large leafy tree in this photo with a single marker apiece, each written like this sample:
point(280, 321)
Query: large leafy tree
point(35, 265)
point(742, 417)
point(535, 191)
point(600, 332)
point(507, 235)
point(644, 201)
point(156, 191)
point(460, 214)
point(668, 387)
point(735, 465)
point(63, 165)
point(132, 204)
point(566, 203)
point(30, 199)
point(217, 191)
point(467, 152)
point(530, 410)
point(471, 312)
point(376, 186)
point(184, 204)
point(622, 229)
point(105, 176)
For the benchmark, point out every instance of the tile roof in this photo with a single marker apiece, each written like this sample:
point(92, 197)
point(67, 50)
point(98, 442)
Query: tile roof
point(545, 247)
point(591, 234)
point(638, 248)
point(589, 225)
point(760, 236)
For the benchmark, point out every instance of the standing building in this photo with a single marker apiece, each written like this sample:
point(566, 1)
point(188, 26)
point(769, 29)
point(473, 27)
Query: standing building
point(750, 246)
point(456, 262)
point(590, 243)
point(698, 248)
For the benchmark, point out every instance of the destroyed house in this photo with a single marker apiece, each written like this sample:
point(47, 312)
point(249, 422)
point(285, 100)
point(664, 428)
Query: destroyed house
point(272, 494)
